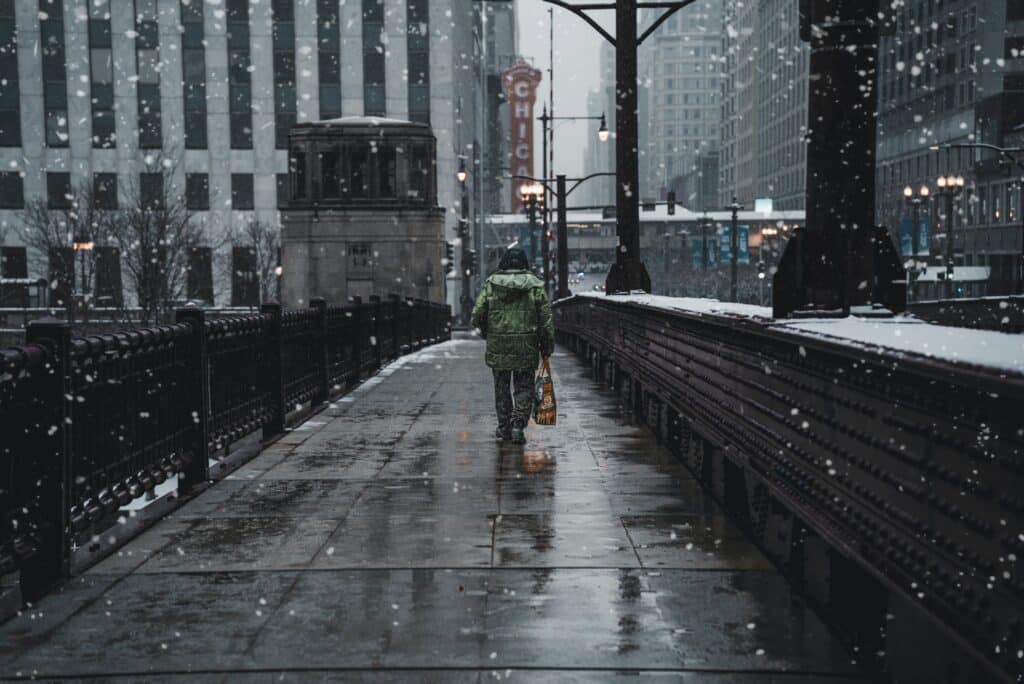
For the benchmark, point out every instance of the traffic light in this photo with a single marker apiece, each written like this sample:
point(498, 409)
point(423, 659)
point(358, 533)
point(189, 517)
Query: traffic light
point(672, 203)
point(474, 266)
point(463, 228)
point(449, 257)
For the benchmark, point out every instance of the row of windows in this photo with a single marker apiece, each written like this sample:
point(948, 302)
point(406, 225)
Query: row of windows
point(193, 67)
point(373, 58)
point(239, 75)
point(101, 62)
point(329, 43)
point(10, 92)
point(285, 112)
point(55, 86)
point(418, 45)
point(60, 193)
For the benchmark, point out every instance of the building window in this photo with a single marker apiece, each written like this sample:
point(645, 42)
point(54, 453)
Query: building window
point(147, 61)
point(373, 58)
point(282, 190)
point(101, 69)
point(284, 72)
point(199, 281)
point(239, 78)
point(193, 67)
point(360, 260)
point(418, 42)
point(151, 190)
point(10, 92)
point(329, 43)
point(241, 191)
point(58, 190)
point(55, 86)
point(12, 190)
point(104, 190)
point(245, 284)
point(108, 276)
point(197, 191)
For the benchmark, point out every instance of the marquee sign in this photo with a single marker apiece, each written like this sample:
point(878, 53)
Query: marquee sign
point(521, 81)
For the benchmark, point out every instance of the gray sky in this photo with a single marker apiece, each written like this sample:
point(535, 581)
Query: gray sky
point(576, 73)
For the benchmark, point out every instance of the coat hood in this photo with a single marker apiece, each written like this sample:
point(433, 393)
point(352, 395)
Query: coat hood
point(515, 280)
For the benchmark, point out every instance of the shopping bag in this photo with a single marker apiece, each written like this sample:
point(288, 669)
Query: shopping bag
point(545, 410)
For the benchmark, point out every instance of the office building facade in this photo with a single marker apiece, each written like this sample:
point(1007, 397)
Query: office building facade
point(108, 94)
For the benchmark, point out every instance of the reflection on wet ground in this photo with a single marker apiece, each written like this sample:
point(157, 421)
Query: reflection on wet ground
point(391, 539)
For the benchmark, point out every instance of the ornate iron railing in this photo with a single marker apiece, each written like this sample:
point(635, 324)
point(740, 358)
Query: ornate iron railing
point(88, 425)
point(886, 483)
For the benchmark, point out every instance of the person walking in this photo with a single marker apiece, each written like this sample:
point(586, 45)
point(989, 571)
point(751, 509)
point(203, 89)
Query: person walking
point(513, 315)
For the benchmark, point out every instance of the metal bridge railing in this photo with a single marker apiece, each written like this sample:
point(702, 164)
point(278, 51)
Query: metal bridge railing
point(90, 424)
point(887, 485)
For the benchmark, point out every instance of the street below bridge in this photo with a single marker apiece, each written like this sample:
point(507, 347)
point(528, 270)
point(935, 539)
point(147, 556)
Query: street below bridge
point(390, 538)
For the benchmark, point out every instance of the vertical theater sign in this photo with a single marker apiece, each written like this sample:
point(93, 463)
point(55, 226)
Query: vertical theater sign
point(521, 81)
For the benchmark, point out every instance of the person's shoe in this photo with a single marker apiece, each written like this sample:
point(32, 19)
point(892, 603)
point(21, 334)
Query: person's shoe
point(503, 434)
point(517, 436)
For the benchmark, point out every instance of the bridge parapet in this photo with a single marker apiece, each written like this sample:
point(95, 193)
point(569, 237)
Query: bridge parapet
point(885, 481)
point(94, 424)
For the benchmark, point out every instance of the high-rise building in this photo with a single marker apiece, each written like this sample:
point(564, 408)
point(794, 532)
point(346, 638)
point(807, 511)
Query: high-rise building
point(96, 92)
point(681, 69)
point(764, 104)
point(953, 72)
point(599, 157)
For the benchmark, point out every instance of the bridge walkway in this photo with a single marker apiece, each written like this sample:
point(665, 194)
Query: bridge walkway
point(390, 538)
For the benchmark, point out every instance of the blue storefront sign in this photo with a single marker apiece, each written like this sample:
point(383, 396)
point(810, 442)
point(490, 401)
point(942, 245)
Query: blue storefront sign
point(907, 237)
point(742, 248)
point(697, 252)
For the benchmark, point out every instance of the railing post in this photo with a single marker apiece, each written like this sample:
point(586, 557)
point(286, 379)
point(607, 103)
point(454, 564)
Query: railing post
point(358, 334)
point(321, 351)
point(396, 307)
point(197, 460)
point(375, 302)
point(55, 471)
point(275, 375)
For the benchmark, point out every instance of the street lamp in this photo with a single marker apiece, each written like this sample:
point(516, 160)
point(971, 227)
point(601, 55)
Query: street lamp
point(734, 238)
point(532, 195)
point(602, 132)
point(915, 200)
point(461, 174)
point(1008, 155)
point(949, 187)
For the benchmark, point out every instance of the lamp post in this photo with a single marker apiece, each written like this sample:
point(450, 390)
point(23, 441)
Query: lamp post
point(767, 232)
point(949, 187)
point(532, 195)
point(1009, 155)
point(915, 200)
point(82, 243)
point(545, 119)
point(464, 299)
point(628, 272)
point(734, 241)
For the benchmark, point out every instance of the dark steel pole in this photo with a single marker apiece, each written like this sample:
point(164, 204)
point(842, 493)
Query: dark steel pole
point(628, 273)
point(734, 246)
point(704, 243)
point(915, 243)
point(545, 118)
point(466, 299)
point(949, 243)
point(563, 239)
point(531, 212)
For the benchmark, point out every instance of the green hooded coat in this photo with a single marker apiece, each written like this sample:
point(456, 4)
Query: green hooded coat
point(514, 316)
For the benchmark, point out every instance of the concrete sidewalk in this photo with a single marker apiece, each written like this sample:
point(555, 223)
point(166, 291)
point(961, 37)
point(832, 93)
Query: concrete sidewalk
point(391, 539)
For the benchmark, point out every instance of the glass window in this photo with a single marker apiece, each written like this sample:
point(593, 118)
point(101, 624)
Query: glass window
point(281, 181)
point(12, 193)
point(241, 191)
point(329, 173)
point(56, 128)
point(386, 157)
point(104, 190)
point(298, 171)
point(58, 190)
point(151, 190)
point(358, 171)
point(197, 191)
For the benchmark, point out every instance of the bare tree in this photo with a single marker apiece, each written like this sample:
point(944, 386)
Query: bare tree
point(265, 241)
point(154, 230)
point(49, 233)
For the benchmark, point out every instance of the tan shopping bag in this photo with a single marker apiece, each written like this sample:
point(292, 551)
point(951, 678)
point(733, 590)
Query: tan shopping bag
point(545, 409)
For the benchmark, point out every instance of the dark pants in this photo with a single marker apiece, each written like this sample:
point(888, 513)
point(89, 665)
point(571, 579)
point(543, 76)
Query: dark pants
point(513, 397)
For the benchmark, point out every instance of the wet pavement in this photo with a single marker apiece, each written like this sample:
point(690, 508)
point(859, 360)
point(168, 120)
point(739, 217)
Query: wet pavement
point(389, 538)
